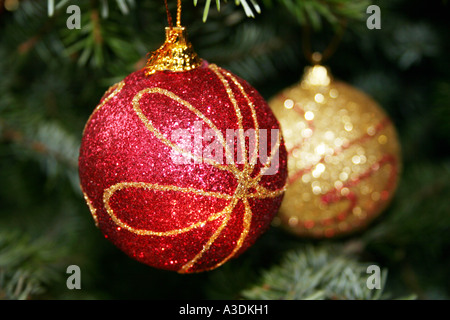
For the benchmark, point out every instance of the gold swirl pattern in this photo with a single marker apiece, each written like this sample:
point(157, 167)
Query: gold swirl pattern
point(91, 207)
point(247, 186)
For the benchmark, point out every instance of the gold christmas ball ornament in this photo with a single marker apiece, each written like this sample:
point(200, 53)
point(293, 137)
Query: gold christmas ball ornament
point(343, 156)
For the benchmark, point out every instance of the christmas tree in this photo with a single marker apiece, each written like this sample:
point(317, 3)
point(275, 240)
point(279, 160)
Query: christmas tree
point(57, 58)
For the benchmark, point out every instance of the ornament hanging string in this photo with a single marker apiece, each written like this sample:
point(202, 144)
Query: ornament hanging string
point(169, 16)
point(179, 13)
point(317, 57)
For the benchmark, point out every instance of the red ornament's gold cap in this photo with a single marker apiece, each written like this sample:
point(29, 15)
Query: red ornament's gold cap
point(176, 54)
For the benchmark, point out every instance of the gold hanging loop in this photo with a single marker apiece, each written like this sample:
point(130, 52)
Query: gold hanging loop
point(179, 13)
point(169, 16)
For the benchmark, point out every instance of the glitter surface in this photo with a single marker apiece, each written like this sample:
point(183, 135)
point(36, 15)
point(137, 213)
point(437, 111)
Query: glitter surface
point(176, 54)
point(187, 217)
point(343, 156)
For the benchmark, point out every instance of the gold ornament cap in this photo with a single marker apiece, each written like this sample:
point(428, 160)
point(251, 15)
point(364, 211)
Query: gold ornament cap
point(176, 54)
point(316, 75)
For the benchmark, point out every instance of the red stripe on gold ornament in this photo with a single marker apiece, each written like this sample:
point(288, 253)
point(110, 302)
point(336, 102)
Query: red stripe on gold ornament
point(378, 128)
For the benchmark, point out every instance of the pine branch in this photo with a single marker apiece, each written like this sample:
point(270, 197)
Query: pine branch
point(250, 8)
point(314, 13)
point(124, 6)
point(417, 211)
point(254, 51)
point(99, 41)
point(316, 273)
point(26, 266)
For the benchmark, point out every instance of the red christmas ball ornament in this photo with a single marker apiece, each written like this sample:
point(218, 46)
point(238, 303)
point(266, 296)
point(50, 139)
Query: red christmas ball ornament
point(182, 163)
